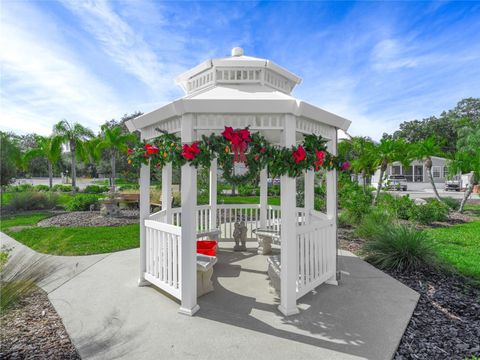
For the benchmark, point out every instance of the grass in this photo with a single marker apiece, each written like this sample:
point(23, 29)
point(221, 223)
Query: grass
point(472, 209)
point(459, 246)
point(78, 240)
point(22, 219)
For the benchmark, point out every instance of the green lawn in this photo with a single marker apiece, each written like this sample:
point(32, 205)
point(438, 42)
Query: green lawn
point(78, 240)
point(459, 246)
point(22, 219)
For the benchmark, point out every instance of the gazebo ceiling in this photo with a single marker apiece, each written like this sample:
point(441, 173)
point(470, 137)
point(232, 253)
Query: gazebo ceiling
point(237, 85)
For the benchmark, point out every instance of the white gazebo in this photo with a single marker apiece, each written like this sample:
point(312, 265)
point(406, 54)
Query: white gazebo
point(238, 91)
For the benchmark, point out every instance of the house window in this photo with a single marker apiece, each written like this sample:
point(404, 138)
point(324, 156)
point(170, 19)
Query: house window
point(445, 172)
point(436, 171)
point(396, 170)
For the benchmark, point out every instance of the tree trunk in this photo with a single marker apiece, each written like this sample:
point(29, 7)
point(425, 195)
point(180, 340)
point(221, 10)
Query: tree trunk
point(468, 192)
point(50, 174)
point(74, 166)
point(113, 170)
point(428, 165)
point(364, 181)
point(380, 181)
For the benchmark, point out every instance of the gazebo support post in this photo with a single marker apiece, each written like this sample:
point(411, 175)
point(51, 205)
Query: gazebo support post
point(288, 273)
point(188, 259)
point(167, 191)
point(309, 193)
point(213, 194)
point(332, 211)
point(263, 198)
point(144, 213)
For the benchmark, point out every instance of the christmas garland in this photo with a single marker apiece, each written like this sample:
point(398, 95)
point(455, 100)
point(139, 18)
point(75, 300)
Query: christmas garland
point(234, 146)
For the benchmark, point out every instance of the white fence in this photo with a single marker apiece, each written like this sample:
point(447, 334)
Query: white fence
point(163, 259)
point(315, 254)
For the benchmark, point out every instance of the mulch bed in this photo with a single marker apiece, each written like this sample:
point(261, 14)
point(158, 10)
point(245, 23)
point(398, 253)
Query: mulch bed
point(446, 321)
point(90, 218)
point(33, 330)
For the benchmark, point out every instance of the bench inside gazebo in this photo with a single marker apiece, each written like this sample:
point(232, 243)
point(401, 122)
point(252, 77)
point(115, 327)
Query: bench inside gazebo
point(240, 92)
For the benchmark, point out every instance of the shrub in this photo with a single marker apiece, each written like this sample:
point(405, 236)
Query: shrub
point(96, 189)
point(42, 187)
point(274, 190)
point(433, 210)
point(398, 206)
point(81, 202)
point(319, 204)
point(453, 204)
point(374, 223)
point(19, 188)
point(355, 203)
point(246, 190)
point(399, 248)
point(63, 188)
point(129, 187)
point(32, 201)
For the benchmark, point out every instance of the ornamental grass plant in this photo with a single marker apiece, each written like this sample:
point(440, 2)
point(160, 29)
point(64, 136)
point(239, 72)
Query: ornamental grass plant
point(399, 248)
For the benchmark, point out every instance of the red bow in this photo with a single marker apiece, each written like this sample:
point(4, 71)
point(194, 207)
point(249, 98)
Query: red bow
point(151, 149)
point(190, 152)
point(239, 140)
point(299, 154)
point(320, 159)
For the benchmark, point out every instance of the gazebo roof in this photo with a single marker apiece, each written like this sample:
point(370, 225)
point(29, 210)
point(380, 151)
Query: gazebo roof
point(238, 85)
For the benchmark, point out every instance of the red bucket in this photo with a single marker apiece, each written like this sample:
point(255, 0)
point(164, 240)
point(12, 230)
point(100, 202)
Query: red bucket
point(207, 247)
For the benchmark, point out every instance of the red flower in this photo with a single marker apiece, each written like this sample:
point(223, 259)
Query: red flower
point(151, 149)
point(299, 154)
point(256, 157)
point(262, 150)
point(190, 152)
point(130, 151)
point(345, 165)
point(320, 159)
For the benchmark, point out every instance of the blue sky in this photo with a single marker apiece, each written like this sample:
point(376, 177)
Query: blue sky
point(377, 64)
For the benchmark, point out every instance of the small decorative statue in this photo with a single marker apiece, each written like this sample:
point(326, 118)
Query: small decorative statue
point(240, 236)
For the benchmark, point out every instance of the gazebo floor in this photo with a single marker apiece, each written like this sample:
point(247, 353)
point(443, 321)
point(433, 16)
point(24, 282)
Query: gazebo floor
point(109, 317)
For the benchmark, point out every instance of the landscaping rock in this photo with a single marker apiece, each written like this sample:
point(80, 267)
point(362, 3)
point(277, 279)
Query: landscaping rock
point(91, 218)
point(33, 330)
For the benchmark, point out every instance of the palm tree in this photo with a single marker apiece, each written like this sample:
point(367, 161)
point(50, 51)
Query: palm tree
point(74, 135)
point(91, 152)
point(467, 159)
point(48, 148)
point(114, 140)
point(423, 151)
point(364, 161)
point(387, 152)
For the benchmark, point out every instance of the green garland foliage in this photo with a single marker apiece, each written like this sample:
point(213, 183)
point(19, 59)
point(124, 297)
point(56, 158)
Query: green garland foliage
point(258, 153)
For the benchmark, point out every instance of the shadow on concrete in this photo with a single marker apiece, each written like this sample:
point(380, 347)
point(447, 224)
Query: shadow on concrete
point(315, 325)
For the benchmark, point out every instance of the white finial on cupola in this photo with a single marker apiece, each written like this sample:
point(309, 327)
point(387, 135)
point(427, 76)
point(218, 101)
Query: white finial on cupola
point(237, 51)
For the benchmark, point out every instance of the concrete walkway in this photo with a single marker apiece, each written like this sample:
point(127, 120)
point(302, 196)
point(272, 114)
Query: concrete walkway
point(109, 317)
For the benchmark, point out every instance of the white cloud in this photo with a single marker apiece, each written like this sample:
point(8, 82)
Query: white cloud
point(42, 81)
point(388, 54)
point(123, 44)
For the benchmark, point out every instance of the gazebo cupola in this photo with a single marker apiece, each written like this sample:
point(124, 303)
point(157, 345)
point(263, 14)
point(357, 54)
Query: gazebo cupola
point(237, 69)
point(239, 92)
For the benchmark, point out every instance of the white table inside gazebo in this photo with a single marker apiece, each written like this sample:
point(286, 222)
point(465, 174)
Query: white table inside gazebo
point(238, 91)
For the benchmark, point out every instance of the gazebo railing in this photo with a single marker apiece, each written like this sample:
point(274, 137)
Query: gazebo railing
point(163, 256)
point(315, 253)
point(228, 214)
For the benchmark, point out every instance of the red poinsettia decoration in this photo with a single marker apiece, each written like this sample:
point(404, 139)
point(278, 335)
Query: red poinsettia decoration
point(299, 154)
point(150, 150)
point(320, 159)
point(239, 140)
point(190, 152)
point(345, 165)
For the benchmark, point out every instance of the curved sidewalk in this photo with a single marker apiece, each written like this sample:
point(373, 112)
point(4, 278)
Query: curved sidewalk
point(108, 317)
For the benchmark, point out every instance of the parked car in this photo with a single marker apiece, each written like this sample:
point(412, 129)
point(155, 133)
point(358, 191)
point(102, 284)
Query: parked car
point(396, 182)
point(453, 185)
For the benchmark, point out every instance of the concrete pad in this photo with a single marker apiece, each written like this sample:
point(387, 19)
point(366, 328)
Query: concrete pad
point(63, 268)
point(109, 317)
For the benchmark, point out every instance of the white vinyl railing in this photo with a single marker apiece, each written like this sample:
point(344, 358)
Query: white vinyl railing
point(228, 214)
point(315, 254)
point(163, 259)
